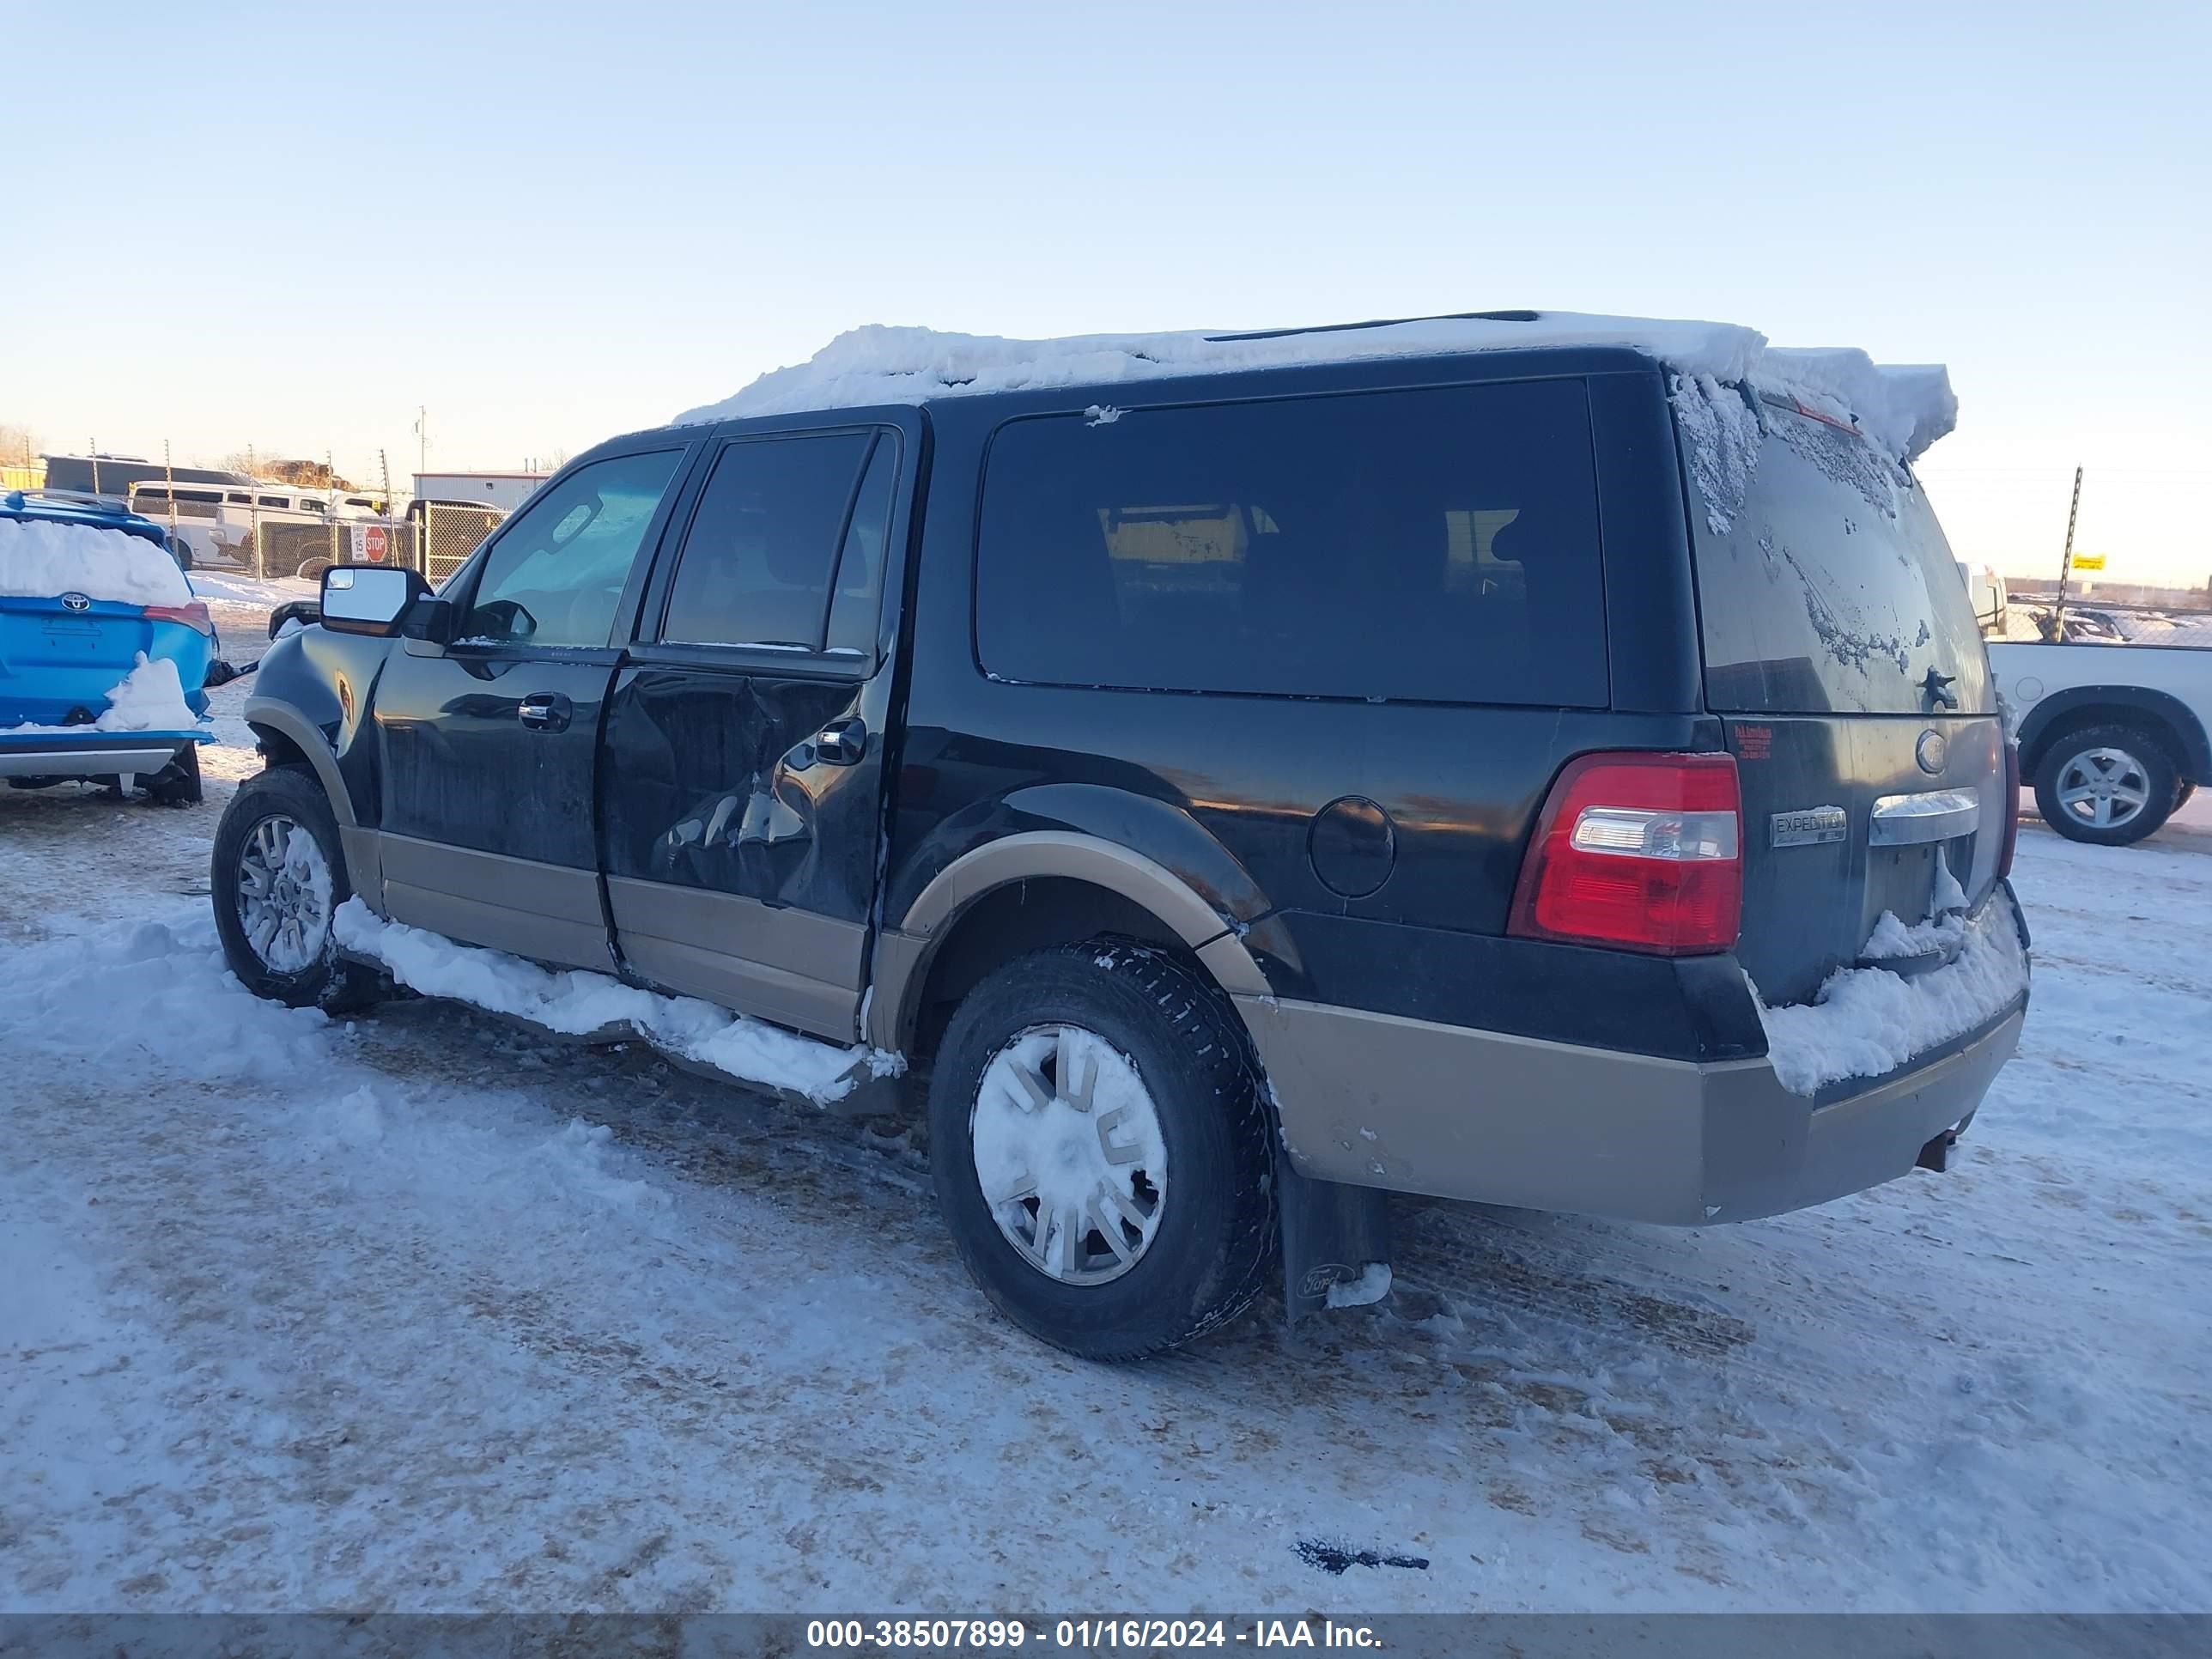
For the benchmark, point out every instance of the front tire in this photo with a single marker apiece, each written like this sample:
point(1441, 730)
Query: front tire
point(278, 876)
point(2108, 785)
point(1103, 1095)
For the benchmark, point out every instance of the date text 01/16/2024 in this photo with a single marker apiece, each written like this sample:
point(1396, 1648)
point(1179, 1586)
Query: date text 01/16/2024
point(1082, 1635)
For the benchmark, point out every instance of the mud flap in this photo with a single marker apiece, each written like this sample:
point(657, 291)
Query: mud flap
point(1331, 1233)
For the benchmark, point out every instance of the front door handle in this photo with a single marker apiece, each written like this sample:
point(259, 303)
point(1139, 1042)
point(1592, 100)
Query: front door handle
point(843, 743)
point(545, 711)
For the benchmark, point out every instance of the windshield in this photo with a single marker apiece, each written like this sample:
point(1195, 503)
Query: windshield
point(1831, 589)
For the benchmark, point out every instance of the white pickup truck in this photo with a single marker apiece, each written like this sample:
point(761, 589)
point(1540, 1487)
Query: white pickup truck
point(2113, 737)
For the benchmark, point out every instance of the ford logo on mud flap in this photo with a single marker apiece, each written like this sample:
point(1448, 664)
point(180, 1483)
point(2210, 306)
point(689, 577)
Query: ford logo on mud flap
point(77, 601)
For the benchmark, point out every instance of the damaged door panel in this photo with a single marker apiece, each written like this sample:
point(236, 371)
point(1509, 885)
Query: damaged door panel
point(740, 859)
point(741, 783)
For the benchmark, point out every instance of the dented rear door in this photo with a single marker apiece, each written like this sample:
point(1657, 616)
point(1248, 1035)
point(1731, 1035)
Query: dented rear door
point(742, 772)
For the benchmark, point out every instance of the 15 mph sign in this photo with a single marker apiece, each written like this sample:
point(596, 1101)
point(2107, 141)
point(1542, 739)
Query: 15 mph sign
point(370, 542)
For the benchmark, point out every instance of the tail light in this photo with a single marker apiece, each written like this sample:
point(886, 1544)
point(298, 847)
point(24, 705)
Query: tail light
point(2011, 811)
point(1638, 852)
point(194, 615)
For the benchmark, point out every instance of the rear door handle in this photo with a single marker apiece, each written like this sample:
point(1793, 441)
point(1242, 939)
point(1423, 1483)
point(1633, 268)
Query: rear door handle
point(843, 743)
point(545, 711)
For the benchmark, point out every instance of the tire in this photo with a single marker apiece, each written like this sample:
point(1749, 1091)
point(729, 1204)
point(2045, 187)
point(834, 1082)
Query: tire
point(177, 784)
point(303, 969)
point(1143, 1019)
point(2128, 761)
point(2182, 791)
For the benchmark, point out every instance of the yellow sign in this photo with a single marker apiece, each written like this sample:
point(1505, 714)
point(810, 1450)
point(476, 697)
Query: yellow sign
point(2088, 562)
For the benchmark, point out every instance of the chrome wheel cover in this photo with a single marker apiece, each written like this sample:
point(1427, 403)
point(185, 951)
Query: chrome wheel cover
point(284, 895)
point(2104, 788)
point(1068, 1153)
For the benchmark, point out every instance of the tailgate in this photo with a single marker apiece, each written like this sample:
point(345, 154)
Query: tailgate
point(58, 664)
point(1842, 653)
point(1842, 821)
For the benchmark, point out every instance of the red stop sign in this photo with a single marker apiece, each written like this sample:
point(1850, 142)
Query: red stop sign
point(371, 543)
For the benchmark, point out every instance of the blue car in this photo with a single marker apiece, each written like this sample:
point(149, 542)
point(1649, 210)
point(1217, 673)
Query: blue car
point(104, 652)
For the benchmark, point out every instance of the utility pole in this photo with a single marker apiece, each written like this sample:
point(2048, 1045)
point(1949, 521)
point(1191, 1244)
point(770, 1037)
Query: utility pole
point(169, 477)
point(421, 440)
point(383, 469)
point(92, 448)
point(2066, 565)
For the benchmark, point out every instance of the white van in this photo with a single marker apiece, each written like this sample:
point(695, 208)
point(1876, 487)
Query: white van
point(218, 521)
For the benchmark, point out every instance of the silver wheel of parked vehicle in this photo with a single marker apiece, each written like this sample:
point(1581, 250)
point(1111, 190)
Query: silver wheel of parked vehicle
point(283, 894)
point(2104, 788)
point(1069, 1154)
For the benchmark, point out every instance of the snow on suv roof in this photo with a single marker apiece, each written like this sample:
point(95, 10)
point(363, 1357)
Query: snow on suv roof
point(1902, 409)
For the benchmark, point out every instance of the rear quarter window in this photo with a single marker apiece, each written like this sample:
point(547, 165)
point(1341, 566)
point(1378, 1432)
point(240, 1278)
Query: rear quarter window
point(1437, 544)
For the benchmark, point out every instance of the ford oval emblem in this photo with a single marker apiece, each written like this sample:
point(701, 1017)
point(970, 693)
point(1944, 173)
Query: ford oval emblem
point(1931, 752)
point(77, 601)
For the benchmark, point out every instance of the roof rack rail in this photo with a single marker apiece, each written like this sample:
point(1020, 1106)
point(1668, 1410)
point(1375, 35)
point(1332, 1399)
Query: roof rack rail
point(1385, 322)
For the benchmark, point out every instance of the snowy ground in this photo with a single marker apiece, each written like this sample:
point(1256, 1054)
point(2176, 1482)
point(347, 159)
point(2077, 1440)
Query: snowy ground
point(426, 1312)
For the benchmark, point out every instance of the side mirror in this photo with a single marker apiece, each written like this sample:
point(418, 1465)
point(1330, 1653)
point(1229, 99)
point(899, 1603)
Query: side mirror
point(369, 599)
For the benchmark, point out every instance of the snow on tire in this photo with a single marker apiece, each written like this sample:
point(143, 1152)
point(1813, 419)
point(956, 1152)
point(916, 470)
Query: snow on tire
point(1099, 1142)
point(277, 877)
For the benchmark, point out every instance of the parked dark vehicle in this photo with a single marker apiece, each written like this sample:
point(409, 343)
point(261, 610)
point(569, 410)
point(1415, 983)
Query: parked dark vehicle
point(1291, 786)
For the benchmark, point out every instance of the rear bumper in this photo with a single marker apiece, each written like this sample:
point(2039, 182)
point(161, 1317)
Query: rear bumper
point(1375, 1100)
point(91, 754)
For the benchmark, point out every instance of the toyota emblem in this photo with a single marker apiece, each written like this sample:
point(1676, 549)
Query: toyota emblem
point(1931, 752)
point(77, 601)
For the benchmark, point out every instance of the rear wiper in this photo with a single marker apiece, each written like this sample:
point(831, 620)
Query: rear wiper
point(1936, 688)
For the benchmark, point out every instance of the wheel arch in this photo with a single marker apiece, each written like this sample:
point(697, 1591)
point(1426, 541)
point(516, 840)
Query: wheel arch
point(1027, 891)
point(2164, 716)
point(287, 738)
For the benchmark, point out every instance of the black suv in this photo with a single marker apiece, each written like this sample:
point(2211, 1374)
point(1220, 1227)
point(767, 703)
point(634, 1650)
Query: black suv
point(1237, 795)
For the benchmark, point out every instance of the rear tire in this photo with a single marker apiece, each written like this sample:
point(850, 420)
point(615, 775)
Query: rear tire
point(2182, 791)
point(2108, 785)
point(1178, 1078)
point(177, 784)
point(274, 900)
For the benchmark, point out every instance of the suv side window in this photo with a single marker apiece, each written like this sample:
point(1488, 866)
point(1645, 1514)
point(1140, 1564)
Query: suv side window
point(763, 546)
point(856, 604)
point(556, 573)
point(1437, 544)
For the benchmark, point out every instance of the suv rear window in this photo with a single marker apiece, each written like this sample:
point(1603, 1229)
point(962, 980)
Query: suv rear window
point(1832, 589)
point(1438, 544)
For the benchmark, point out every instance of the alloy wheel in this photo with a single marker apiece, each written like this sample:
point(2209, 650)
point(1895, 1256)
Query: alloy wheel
point(2104, 788)
point(284, 895)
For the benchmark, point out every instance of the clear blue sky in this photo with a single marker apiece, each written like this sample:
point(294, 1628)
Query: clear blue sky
point(288, 225)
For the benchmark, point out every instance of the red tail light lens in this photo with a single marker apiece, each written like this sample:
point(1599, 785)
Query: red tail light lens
point(1639, 853)
point(2011, 812)
point(194, 615)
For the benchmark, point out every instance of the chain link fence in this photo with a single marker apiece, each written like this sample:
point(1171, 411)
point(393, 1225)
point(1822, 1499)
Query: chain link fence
point(436, 542)
point(450, 534)
point(2034, 616)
